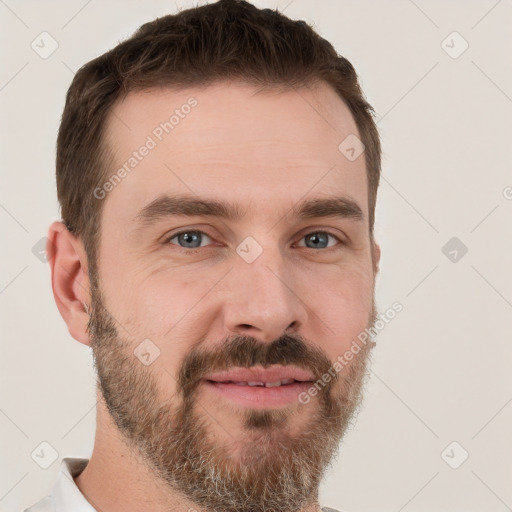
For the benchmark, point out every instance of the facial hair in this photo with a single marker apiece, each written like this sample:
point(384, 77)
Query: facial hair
point(274, 470)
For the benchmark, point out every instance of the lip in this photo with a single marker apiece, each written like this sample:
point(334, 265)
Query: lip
point(260, 397)
point(260, 374)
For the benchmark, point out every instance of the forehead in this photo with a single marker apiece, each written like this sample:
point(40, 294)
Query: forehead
point(233, 142)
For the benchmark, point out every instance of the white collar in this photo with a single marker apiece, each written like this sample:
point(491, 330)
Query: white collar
point(65, 493)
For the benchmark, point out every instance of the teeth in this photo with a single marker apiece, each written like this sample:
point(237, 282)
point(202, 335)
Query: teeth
point(264, 384)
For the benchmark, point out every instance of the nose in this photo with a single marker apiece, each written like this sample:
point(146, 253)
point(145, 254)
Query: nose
point(264, 301)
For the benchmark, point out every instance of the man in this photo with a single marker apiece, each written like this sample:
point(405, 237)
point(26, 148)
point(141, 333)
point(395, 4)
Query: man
point(217, 174)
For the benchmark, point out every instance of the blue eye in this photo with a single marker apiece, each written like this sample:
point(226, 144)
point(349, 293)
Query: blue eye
point(189, 239)
point(319, 239)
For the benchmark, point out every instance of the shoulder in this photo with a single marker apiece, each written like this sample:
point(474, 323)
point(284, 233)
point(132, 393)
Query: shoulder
point(328, 509)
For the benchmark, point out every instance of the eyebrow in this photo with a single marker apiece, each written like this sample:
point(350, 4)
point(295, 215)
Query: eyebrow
point(186, 205)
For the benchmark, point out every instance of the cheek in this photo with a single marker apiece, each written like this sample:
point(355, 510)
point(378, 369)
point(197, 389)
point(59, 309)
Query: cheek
point(143, 293)
point(152, 304)
point(342, 299)
point(163, 306)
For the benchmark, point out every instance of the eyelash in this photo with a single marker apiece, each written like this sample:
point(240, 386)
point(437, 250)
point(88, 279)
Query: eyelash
point(198, 231)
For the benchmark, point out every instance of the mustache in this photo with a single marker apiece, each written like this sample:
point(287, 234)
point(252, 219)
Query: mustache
point(246, 352)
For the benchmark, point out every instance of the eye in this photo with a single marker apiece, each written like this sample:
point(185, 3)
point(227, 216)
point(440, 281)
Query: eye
point(192, 239)
point(188, 239)
point(319, 240)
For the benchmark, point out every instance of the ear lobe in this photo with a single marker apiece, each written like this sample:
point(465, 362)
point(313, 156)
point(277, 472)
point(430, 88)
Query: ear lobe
point(70, 280)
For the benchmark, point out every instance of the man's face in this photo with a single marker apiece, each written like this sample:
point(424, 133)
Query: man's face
point(271, 291)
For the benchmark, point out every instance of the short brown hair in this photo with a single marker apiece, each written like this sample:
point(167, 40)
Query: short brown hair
point(227, 40)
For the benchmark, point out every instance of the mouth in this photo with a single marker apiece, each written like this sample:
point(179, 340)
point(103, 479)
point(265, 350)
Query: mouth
point(278, 383)
point(260, 388)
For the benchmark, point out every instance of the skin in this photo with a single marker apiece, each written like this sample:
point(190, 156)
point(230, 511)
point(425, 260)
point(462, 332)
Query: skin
point(265, 151)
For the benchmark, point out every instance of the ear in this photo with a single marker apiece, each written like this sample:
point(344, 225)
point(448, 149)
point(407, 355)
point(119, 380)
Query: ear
point(375, 257)
point(70, 280)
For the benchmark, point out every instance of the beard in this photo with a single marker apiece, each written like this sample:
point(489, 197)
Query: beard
point(268, 466)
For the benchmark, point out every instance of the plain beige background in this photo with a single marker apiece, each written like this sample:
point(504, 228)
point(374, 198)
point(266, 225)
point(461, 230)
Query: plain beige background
point(441, 369)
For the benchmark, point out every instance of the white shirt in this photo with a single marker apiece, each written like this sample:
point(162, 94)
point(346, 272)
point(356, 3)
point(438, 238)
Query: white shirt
point(65, 496)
